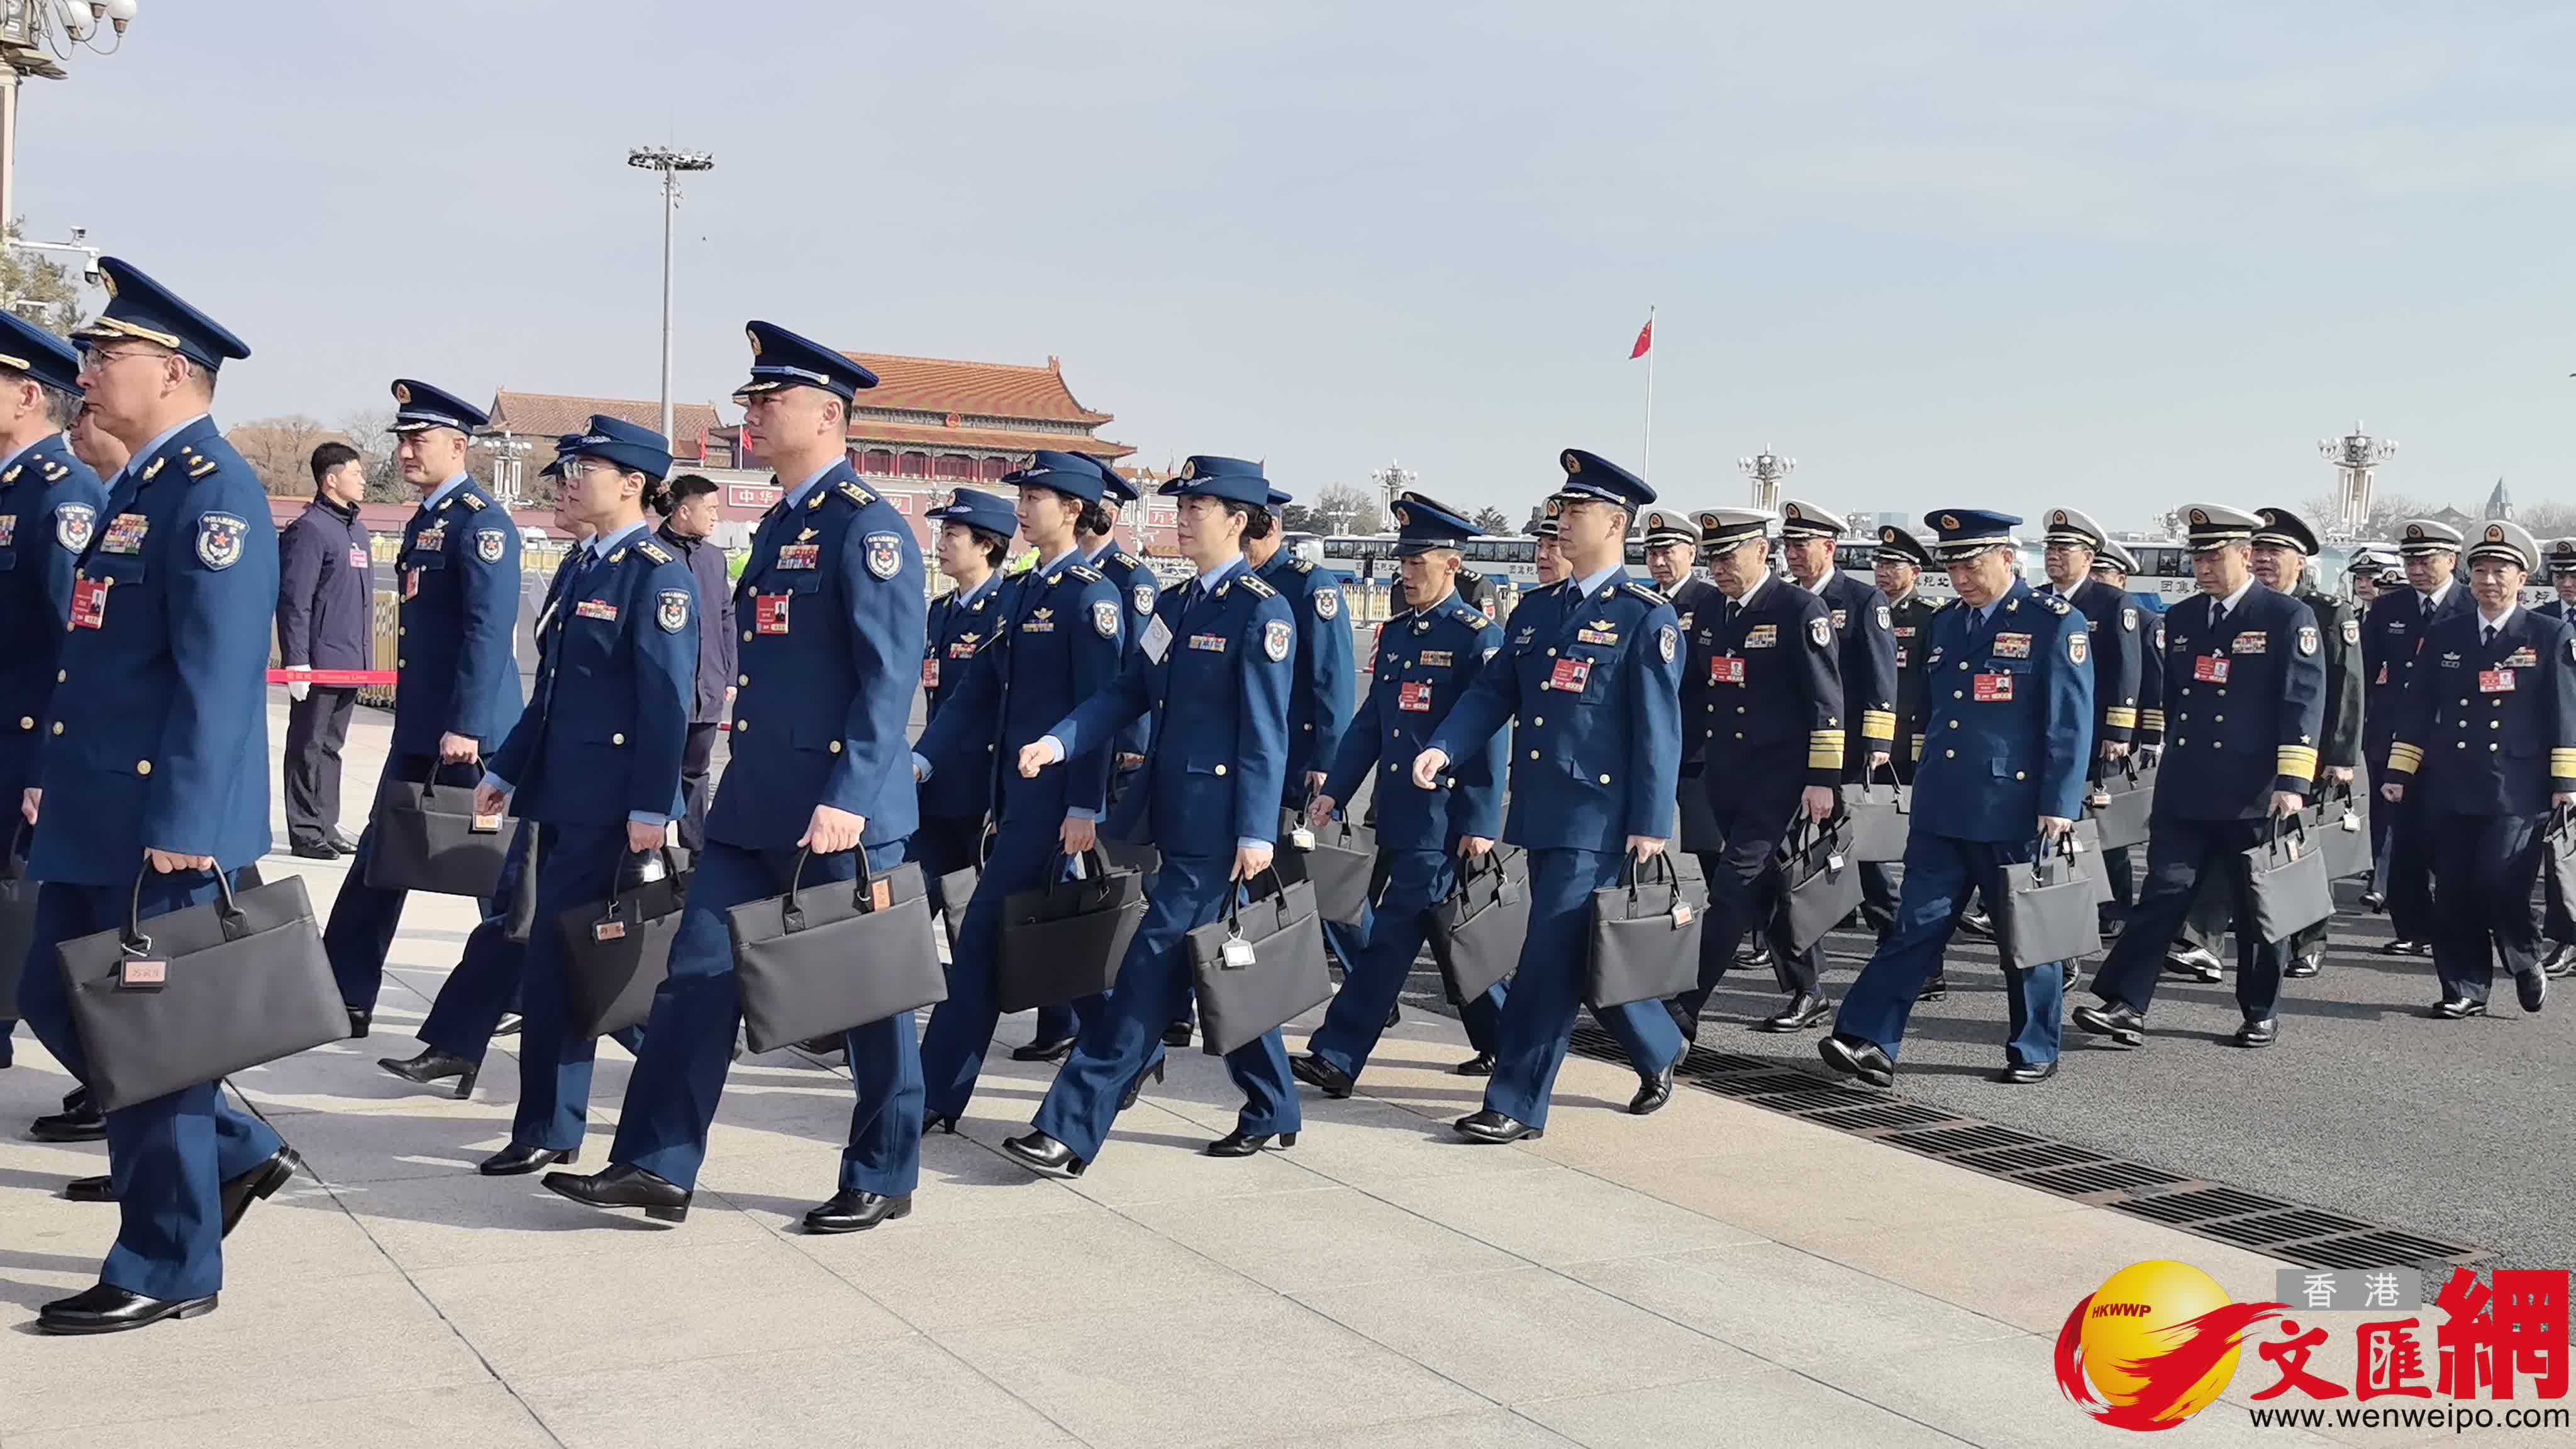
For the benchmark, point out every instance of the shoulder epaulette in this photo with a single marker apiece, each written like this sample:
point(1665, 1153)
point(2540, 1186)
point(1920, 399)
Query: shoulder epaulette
point(2055, 604)
point(1257, 586)
point(1473, 617)
point(1174, 588)
point(12, 475)
point(1652, 598)
point(472, 500)
point(1301, 565)
point(652, 550)
point(1127, 560)
point(854, 493)
point(1086, 573)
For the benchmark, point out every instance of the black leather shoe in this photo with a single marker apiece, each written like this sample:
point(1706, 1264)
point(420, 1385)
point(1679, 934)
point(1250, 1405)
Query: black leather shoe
point(1854, 1057)
point(341, 843)
point(518, 1160)
point(1177, 1034)
point(359, 1020)
point(82, 1123)
point(1136, 1086)
point(2022, 1074)
point(1492, 1126)
point(1652, 1093)
point(1044, 1156)
point(1753, 953)
point(113, 1310)
point(313, 850)
point(2407, 948)
point(2531, 990)
point(1322, 1075)
point(2373, 901)
point(620, 1186)
point(509, 1024)
point(1977, 923)
point(1394, 1014)
point(2122, 1024)
point(1240, 1143)
point(822, 1046)
point(433, 1066)
point(90, 1189)
point(1044, 1051)
point(1804, 1010)
point(937, 1122)
point(1479, 1065)
point(2195, 963)
point(2258, 1031)
point(2456, 1008)
point(1935, 988)
point(853, 1211)
point(260, 1182)
point(2561, 961)
point(2304, 965)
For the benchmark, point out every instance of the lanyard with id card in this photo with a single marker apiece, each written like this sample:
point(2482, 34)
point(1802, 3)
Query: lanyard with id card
point(1726, 669)
point(1413, 696)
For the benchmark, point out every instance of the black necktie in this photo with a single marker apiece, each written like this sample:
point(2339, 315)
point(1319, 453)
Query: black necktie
point(2490, 635)
point(2424, 614)
point(2217, 617)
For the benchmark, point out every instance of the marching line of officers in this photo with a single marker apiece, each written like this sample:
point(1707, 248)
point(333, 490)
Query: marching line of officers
point(1077, 701)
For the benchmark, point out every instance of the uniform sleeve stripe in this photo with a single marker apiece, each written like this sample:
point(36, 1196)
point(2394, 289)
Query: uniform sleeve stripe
point(2153, 719)
point(2298, 762)
point(2562, 763)
point(1878, 724)
point(2403, 757)
point(2120, 719)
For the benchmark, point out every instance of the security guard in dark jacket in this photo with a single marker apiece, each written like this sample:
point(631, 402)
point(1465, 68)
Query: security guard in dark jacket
point(1428, 658)
point(594, 762)
point(2249, 703)
point(49, 503)
point(974, 534)
point(1762, 678)
point(325, 620)
point(832, 610)
point(152, 778)
point(2392, 635)
point(458, 686)
point(2008, 729)
point(2503, 672)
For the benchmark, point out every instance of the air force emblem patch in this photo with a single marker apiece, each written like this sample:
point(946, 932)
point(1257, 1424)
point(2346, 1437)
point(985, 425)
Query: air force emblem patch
point(488, 544)
point(884, 555)
point(1277, 638)
point(1328, 602)
point(1821, 631)
point(672, 611)
point(1104, 617)
point(1142, 597)
point(73, 525)
point(219, 540)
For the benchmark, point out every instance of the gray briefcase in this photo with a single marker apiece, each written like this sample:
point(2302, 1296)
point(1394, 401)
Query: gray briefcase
point(2125, 804)
point(2342, 832)
point(1882, 813)
point(2286, 887)
point(823, 959)
point(1645, 937)
point(2051, 914)
point(1476, 934)
point(1259, 966)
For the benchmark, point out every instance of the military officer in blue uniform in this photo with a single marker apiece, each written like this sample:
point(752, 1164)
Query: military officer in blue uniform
point(457, 690)
point(832, 611)
point(2392, 636)
point(594, 762)
point(974, 536)
point(2246, 671)
point(1763, 688)
point(2503, 672)
point(1057, 639)
point(1590, 682)
point(152, 777)
point(2007, 718)
point(1222, 646)
point(1326, 678)
point(49, 502)
point(2558, 922)
point(1428, 658)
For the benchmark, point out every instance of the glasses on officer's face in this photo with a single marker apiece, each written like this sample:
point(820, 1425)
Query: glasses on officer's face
point(96, 359)
point(574, 468)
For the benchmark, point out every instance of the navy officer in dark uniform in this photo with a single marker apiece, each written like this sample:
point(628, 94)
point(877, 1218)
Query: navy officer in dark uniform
point(2248, 678)
point(2007, 718)
point(1764, 691)
point(2558, 923)
point(831, 612)
point(2069, 545)
point(49, 503)
point(1057, 638)
point(1672, 562)
point(1221, 647)
point(2392, 641)
point(1590, 682)
point(1865, 645)
point(594, 762)
point(458, 686)
point(2112, 565)
point(153, 777)
point(2503, 672)
point(1428, 658)
point(2282, 548)
point(973, 538)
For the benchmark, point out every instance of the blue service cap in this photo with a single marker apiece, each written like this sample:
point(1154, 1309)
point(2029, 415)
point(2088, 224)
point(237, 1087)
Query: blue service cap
point(1591, 476)
point(554, 465)
point(38, 353)
point(1967, 531)
point(621, 444)
point(1072, 474)
point(1114, 485)
point(143, 309)
point(780, 358)
point(418, 406)
point(976, 508)
point(1204, 475)
point(1423, 523)
point(1279, 498)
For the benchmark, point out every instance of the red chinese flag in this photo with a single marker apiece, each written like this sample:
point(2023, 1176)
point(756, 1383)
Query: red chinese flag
point(1645, 341)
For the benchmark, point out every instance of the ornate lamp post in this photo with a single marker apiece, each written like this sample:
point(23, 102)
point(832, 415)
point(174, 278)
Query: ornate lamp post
point(670, 163)
point(1768, 470)
point(35, 36)
point(2355, 455)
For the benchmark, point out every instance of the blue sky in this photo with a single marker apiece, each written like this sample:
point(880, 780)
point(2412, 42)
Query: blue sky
point(2005, 254)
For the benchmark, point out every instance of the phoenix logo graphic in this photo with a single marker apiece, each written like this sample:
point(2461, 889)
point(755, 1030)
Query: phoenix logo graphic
point(2153, 1346)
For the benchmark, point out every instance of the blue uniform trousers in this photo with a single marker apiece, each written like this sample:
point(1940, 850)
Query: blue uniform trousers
point(2484, 866)
point(170, 1156)
point(1417, 881)
point(364, 917)
point(961, 1028)
point(577, 865)
point(1125, 1039)
point(945, 843)
point(1940, 873)
point(484, 987)
point(1538, 1016)
point(688, 1041)
point(2179, 853)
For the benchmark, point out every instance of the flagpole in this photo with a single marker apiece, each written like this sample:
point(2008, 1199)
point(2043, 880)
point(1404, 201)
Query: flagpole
point(1646, 459)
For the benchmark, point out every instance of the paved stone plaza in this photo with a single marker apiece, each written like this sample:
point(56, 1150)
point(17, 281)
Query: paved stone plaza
point(1715, 1274)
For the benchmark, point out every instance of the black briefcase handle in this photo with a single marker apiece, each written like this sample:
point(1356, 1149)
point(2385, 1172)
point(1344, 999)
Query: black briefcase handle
point(1278, 897)
point(628, 881)
point(2065, 847)
point(1638, 872)
point(1869, 777)
point(2296, 825)
point(136, 943)
point(791, 919)
point(19, 830)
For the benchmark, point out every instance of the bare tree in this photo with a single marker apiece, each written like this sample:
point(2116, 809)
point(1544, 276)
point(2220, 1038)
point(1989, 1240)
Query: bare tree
point(2387, 511)
point(280, 451)
point(364, 429)
point(39, 288)
point(1349, 509)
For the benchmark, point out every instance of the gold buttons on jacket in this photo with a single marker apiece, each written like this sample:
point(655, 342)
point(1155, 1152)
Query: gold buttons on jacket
point(1220, 769)
point(1537, 720)
point(400, 631)
point(143, 767)
point(617, 739)
point(26, 721)
point(1605, 779)
point(742, 679)
point(402, 664)
point(58, 727)
point(836, 748)
point(746, 636)
point(1533, 753)
point(741, 725)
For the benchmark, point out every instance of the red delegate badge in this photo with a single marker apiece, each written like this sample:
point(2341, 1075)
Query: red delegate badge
point(2495, 681)
point(1570, 675)
point(769, 612)
point(89, 603)
point(2209, 669)
point(1726, 669)
point(1414, 695)
point(1994, 688)
point(930, 673)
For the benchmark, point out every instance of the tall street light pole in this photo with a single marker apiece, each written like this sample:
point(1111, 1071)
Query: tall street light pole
point(1768, 470)
point(2356, 457)
point(670, 163)
point(34, 36)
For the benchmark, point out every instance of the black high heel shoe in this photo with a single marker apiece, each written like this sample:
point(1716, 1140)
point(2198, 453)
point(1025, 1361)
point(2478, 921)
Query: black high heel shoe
point(1245, 1144)
point(1127, 1099)
point(937, 1122)
point(433, 1066)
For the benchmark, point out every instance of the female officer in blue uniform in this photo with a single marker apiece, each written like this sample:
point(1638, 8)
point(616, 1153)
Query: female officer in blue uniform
point(594, 762)
point(155, 766)
point(1218, 646)
point(1057, 641)
point(1428, 658)
point(974, 536)
point(832, 613)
